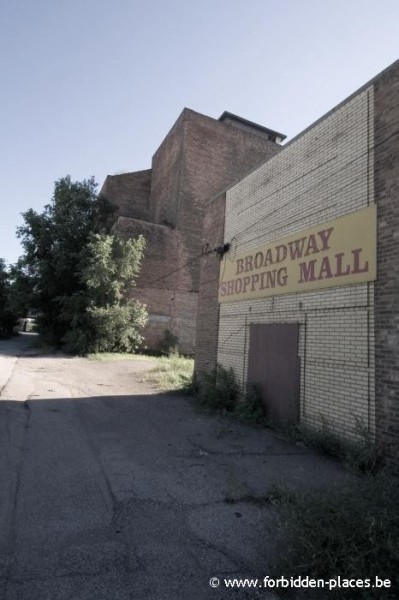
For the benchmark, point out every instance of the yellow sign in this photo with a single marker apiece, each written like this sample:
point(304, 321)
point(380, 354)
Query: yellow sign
point(340, 252)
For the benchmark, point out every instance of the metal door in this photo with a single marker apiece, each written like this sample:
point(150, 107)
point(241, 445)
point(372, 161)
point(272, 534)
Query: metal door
point(274, 369)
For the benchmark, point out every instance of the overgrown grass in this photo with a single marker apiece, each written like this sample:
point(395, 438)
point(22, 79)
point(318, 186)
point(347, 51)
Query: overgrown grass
point(220, 391)
point(359, 455)
point(171, 373)
point(351, 532)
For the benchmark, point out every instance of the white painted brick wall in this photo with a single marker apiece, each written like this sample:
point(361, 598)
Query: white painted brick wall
point(324, 174)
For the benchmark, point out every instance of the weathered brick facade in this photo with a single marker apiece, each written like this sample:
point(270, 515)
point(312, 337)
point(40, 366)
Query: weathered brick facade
point(349, 335)
point(127, 186)
point(208, 310)
point(199, 157)
point(386, 95)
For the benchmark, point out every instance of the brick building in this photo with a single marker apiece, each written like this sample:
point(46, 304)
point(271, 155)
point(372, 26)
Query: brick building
point(305, 303)
point(198, 157)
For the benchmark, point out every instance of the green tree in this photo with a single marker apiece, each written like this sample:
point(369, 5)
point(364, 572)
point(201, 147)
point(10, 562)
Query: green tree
point(7, 316)
point(111, 321)
point(3, 284)
point(22, 289)
point(59, 244)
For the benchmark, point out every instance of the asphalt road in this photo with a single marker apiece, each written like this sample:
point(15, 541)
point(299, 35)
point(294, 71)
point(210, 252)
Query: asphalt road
point(112, 490)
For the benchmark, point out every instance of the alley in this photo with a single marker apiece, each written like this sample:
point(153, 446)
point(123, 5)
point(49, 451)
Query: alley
point(112, 490)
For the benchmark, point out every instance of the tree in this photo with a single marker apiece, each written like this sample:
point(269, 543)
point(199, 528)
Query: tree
point(22, 289)
point(58, 246)
point(7, 317)
point(53, 242)
point(111, 321)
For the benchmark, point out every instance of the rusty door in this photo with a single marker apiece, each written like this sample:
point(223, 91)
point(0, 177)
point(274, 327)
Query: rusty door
point(274, 369)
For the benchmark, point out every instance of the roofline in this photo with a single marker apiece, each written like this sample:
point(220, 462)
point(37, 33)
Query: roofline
point(362, 88)
point(230, 115)
point(128, 173)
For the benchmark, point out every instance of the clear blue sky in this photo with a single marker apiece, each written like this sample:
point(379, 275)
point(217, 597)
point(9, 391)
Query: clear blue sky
point(91, 87)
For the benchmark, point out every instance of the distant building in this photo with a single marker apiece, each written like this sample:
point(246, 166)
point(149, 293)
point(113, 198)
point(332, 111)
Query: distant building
point(199, 157)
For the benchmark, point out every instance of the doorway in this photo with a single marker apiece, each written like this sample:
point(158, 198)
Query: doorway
point(274, 369)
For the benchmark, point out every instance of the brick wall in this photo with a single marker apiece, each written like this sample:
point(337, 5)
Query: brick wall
point(387, 288)
point(199, 157)
point(216, 154)
point(159, 253)
point(208, 310)
point(325, 173)
point(349, 336)
point(165, 182)
point(130, 192)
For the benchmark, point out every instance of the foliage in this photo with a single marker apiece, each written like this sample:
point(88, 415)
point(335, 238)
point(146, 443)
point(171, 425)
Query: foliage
point(359, 455)
point(351, 532)
point(53, 242)
point(172, 373)
point(111, 266)
point(108, 329)
point(169, 344)
point(22, 289)
point(80, 275)
point(7, 316)
point(219, 389)
point(4, 284)
point(250, 408)
point(103, 318)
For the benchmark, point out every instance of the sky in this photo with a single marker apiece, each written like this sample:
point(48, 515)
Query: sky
point(91, 87)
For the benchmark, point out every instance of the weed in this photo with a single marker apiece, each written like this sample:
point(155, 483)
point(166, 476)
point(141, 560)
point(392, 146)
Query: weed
point(219, 390)
point(171, 373)
point(249, 408)
point(351, 532)
point(359, 455)
point(169, 345)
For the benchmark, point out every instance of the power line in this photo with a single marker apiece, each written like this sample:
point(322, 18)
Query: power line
point(217, 250)
point(318, 184)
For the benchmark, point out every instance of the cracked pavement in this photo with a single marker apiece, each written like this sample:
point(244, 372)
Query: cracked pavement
point(112, 490)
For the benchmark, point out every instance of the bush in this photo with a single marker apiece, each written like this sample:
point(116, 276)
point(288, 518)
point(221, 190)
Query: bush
point(114, 328)
point(250, 408)
point(219, 389)
point(169, 344)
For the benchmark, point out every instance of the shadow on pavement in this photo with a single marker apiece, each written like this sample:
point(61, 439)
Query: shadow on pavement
point(139, 497)
point(18, 344)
